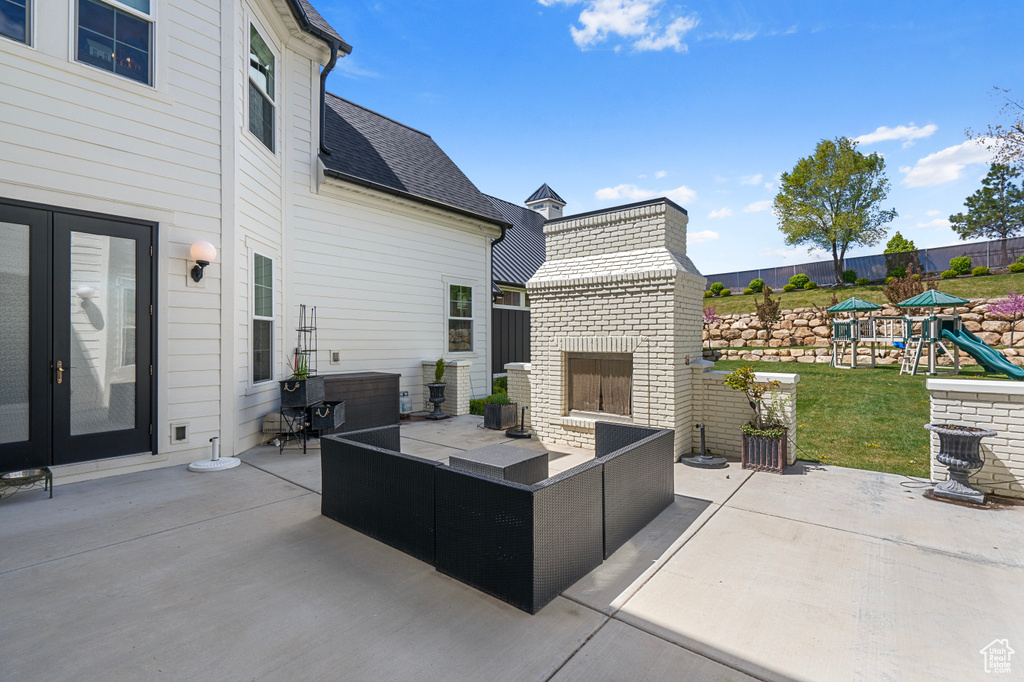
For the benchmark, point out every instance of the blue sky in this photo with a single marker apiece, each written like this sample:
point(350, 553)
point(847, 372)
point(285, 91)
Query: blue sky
point(614, 101)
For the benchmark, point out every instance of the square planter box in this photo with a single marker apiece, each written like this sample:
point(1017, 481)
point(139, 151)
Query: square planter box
point(302, 392)
point(327, 416)
point(762, 453)
point(500, 417)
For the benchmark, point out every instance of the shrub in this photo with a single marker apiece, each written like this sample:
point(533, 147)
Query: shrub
point(898, 272)
point(747, 292)
point(948, 274)
point(716, 288)
point(708, 294)
point(500, 385)
point(1017, 267)
point(850, 276)
point(476, 406)
point(811, 285)
point(789, 287)
point(861, 281)
point(902, 288)
point(725, 292)
point(961, 265)
point(889, 279)
point(1020, 259)
point(498, 399)
point(768, 313)
point(756, 285)
point(799, 281)
point(979, 271)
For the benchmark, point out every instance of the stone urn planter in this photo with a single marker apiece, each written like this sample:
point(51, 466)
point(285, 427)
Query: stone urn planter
point(436, 398)
point(959, 450)
point(500, 417)
point(764, 453)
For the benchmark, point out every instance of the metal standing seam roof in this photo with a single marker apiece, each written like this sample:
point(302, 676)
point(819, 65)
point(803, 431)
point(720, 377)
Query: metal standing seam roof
point(854, 305)
point(516, 258)
point(545, 192)
point(932, 299)
point(390, 156)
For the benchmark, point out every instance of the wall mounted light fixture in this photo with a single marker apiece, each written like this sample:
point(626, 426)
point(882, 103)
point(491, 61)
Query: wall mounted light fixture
point(202, 253)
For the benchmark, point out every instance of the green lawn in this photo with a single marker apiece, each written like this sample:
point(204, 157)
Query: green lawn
point(992, 286)
point(863, 419)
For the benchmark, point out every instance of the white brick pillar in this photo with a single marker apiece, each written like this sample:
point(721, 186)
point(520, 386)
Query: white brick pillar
point(456, 375)
point(519, 387)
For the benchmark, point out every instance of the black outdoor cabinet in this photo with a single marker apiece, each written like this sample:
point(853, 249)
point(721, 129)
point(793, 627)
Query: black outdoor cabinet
point(371, 398)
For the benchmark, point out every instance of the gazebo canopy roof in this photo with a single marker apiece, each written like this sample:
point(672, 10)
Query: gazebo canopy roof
point(931, 299)
point(854, 305)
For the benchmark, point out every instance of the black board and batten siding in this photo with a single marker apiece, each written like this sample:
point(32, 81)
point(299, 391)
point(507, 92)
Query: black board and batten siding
point(510, 329)
point(371, 398)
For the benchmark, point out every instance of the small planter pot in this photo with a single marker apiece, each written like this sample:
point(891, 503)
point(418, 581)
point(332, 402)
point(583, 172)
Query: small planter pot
point(302, 392)
point(436, 398)
point(959, 446)
point(500, 417)
point(327, 416)
point(764, 453)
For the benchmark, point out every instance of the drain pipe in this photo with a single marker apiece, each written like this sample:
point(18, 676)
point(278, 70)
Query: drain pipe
point(216, 462)
point(335, 45)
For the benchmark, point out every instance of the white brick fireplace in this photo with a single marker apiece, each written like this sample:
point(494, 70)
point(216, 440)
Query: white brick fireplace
point(616, 324)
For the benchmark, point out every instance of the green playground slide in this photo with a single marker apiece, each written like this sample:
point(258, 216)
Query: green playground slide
point(991, 360)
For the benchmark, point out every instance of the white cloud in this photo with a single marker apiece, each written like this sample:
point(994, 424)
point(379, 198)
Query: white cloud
point(751, 179)
point(933, 213)
point(661, 174)
point(680, 195)
point(720, 213)
point(722, 35)
point(764, 205)
point(638, 22)
point(907, 133)
point(794, 255)
point(701, 237)
point(938, 222)
point(947, 165)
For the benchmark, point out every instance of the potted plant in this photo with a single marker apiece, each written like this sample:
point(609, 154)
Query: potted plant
point(764, 436)
point(437, 390)
point(301, 389)
point(499, 412)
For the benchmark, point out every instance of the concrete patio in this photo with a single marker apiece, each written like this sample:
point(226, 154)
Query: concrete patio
point(823, 573)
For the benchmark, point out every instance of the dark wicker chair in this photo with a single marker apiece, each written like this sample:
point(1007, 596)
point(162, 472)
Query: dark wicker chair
point(371, 487)
point(638, 478)
point(521, 544)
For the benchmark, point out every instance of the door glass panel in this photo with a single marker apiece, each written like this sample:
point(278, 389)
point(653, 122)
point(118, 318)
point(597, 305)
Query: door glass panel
point(102, 371)
point(14, 345)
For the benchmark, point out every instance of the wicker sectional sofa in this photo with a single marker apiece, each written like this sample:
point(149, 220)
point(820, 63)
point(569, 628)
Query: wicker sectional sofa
point(522, 544)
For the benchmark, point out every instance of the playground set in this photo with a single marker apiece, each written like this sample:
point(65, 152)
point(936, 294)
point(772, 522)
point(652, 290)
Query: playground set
point(913, 335)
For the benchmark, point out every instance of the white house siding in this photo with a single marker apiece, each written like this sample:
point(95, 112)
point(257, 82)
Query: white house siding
point(72, 136)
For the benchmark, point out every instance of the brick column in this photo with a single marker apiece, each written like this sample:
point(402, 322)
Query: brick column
point(519, 387)
point(456, 375)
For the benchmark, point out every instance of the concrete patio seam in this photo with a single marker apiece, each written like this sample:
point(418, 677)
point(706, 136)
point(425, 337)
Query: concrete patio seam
point(150, 535)
point(286, 480)
point(586, 640)
point(972, 557)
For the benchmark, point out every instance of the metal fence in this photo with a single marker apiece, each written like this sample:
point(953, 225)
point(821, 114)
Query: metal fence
point(998, 253)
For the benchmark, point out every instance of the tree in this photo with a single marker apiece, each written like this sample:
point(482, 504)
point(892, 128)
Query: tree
point(996, 211)
point(710, 317)
point(1006, 142)
point(1011, 308)
point(832, 200)
point(768, 312)
point(900, 253)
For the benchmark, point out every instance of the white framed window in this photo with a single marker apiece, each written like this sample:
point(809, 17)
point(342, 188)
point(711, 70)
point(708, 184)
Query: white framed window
point(513, 298)
point(459, 313)
point(262, 318)
point(16, 20)
point(116, 36)
point(262, 83)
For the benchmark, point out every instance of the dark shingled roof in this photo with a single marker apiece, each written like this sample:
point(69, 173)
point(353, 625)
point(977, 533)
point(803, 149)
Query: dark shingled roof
point(385, 155)
point(545, 192)
point(517, 257)
point(312, 22)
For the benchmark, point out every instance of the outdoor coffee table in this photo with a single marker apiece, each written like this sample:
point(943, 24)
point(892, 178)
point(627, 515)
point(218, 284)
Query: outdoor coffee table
point(507, 462)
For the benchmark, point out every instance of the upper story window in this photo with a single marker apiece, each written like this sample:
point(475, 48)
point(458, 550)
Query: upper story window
point(14, 18)
point(261, 88)
point(116, 37)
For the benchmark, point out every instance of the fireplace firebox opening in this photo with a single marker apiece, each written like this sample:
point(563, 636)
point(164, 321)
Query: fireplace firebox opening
point(601, 382)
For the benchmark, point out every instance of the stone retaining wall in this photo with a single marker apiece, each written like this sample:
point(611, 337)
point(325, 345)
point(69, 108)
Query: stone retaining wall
point(741, 336)
point(996, 405)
